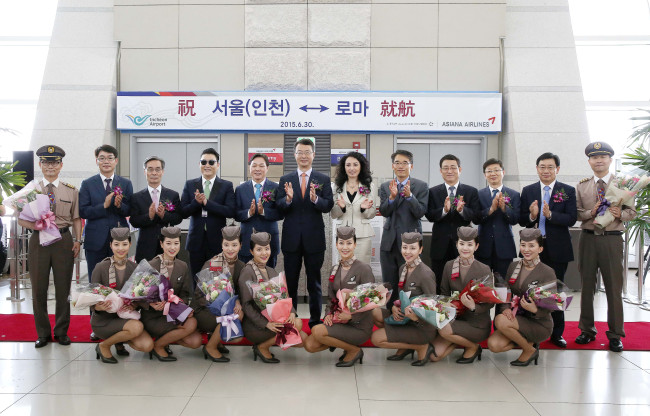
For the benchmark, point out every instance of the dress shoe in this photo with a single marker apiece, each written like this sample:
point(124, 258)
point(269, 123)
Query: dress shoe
point(63, 340)
point(222, 349)
point(153, 353)
point(207, 355)
point(121, 350)
point(400, 357)
point(534, 357)
point(257, 353)
point(107, 360)
point(94, 337)
point(168, 350)
point(477, 354)
point(585, 338)
point(558, 341)
point(42, 341)
point(358, 357)
point(427, 357)
point(615, 345)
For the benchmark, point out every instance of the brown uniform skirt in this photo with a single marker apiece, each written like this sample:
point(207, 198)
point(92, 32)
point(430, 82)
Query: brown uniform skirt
point(472, 329)
point(410, 333)
point(535, 330)
point(155, 323)
point(255, 334)
point(105, 324)
point(356, 331)
point(205, 320)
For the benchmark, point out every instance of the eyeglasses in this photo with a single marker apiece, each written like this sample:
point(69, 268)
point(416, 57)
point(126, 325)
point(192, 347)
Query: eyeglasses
point(51, 162)
point(304, 152)
point(205, 162)
point(401, 163)
point(106, 159)
point(151, 170)
point(490, 172)
point(546, 168)
point(449, 169)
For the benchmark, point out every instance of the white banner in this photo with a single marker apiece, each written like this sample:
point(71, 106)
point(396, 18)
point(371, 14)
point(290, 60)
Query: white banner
point(417, 112)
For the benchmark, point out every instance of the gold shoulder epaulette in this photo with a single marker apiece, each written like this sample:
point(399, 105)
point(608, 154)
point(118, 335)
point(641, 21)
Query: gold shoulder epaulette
point(585, 179)
point(68, 185)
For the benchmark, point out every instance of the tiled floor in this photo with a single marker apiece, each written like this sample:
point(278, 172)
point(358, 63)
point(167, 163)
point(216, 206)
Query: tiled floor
point(69, 381)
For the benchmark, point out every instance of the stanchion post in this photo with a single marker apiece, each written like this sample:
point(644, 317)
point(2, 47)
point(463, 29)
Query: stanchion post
point(14, 251)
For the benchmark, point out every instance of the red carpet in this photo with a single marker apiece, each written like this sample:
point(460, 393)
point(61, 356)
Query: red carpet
point(20, 327)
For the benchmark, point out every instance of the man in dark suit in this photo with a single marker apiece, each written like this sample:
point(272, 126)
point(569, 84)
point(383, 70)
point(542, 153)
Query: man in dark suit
point(256, 208)
point(303, 197)
point(499, 211)
point(153, 208)
point(104, 203)
point(451, 205)
point(553, 216)
point(403, 201)
point(208, 201)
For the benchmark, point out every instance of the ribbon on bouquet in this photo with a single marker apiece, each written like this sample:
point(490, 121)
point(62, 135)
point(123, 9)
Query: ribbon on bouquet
point(514, 304)
point(286, 330)
point(228, 322)
point(602, 208)
point(46, 221)
point(171, 298)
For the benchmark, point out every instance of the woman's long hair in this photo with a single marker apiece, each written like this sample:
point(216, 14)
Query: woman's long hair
point(365, 176)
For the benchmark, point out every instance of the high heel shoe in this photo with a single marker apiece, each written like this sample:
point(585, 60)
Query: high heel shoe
point(257, 353)
point(534, 357)
point(121, 350)
point(107, 360)
point(426, 359)
point(168, 350)
point(214, 359)
point(222, 349)
point(400, 357)
point(358, 357)
point(477, 354)
point(169, 358)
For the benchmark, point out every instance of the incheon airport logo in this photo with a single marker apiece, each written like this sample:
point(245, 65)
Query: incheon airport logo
point(138, 120)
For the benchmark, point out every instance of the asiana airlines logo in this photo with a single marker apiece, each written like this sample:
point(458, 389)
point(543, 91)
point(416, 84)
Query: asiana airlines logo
point(138, 120)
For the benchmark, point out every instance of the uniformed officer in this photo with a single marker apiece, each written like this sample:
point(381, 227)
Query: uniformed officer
point(59, 256)
point(600, 248)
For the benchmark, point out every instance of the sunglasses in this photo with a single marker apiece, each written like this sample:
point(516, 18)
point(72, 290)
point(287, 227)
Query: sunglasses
point(205, 162)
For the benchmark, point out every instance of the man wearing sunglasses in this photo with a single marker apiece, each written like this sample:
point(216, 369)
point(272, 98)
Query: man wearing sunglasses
point(207, 201)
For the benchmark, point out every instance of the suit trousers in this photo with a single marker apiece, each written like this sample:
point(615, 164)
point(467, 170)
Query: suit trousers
point(496, 264)
point(439, 265)
point(390, 262)
point(560, 270)
point(59, 258)
point(95, 256)
point(313, 263)
point(604, 252)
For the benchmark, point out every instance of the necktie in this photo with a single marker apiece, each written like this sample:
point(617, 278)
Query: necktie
point(109, 188)
point(400, 189)
point(155, 198)
point(494, 193)
point(258, 191)
point(542, 218)
point(303, 184)
point(452, 195)
point(52, 196)
point(206, 189)
point(601, 189)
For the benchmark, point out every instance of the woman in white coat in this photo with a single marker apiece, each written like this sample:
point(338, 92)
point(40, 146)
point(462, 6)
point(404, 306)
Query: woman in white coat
point(354, 201)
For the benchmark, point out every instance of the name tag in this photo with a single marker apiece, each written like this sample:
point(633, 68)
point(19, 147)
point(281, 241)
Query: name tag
point(352, 279)
point(412, 284)
point(204, 213)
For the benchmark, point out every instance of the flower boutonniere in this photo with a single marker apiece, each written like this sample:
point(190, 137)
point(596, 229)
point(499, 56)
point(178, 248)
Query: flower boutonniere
point(507, 200)
point(169, 206)
point(560, 196)
point(457, 199)
point(317, 186)
point(117, 190)
point(268, 196)
point(364, 191)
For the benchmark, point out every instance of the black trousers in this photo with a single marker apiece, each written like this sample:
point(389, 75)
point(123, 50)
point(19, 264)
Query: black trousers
point(390, 262)
point(560, 270)
point(496, 264)
point(439, 265)
point(313, 263)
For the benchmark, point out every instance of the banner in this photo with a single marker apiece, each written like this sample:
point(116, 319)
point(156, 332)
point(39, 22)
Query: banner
point(416, 112)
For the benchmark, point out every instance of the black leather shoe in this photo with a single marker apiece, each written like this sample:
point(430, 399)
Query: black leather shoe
point(400, 357)
point(221, 359)
point(42, 341)
point(558, 341)
point(615, 345)
point(168, 350)
point(94, 337)
point(470, 360)
point(358, 357)
point(585, 338)
point(63, 340)
point(107, 360)
point(153, 353)
point(222, 349)
point(121, 350)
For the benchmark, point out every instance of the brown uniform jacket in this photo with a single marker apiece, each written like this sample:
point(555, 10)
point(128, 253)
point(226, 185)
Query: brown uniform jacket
point(586, 199)
point(359, 273)
point(540, 275)
point(199, 297)
point(251, 311)
point(67, 203)
point(181, 280)
point(100, 273)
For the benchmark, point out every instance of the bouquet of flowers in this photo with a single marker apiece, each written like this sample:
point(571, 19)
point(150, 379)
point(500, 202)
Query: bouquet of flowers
point(433, 309)
point(363, 298)
point(143, 284)
point(482, 290)
point(550, 296)
point(175, 309)
point(221, 302)
point(273, 300)
point(26, 195)
point(621, 191)
point(34, 206)
point(85, 295)
point(403, 302)
point(269, 292)
point(212, 284)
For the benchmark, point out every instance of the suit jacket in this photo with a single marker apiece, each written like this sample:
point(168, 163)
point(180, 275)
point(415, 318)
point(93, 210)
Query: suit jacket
point(586, 199)
point(353, 215)
point(495, 230)
point(444, 227)
point(148, 246)
point(100, 220)
point(268, 222)
point(303, 219)
point(402, 215)
point(563, 216)
point(221, 205)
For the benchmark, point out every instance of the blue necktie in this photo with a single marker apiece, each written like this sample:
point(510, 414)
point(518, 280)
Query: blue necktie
point(258, 191)
point(494, 193)
point(542, 218)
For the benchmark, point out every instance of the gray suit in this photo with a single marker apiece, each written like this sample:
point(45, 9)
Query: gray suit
point(400, 216)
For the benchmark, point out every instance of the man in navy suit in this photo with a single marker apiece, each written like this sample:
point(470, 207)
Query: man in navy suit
point(553, 216)
point(104, 203)
point(153, 208)
point(256, 208)
point(451, 205)
point(498, 213)
point(208, 201)
point(303, 197)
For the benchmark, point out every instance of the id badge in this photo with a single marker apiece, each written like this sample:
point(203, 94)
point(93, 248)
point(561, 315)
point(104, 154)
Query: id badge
point(204, 213)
